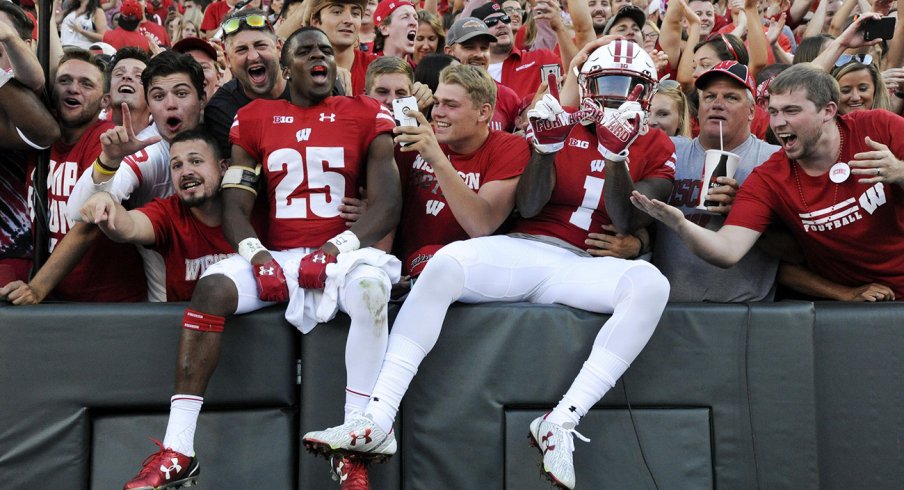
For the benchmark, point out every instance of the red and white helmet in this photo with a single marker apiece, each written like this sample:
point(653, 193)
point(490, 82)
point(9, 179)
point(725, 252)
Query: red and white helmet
point(612, 71)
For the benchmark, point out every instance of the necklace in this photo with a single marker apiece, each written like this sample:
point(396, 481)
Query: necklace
point(800, 189)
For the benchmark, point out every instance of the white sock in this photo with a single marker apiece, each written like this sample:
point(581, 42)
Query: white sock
point(183, 419)
point(598, 376)
point(399, 367)
point(355, 402)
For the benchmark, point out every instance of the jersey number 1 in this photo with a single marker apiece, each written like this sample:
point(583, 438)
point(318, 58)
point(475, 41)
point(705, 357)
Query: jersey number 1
point(593, 194)
point(319, 159)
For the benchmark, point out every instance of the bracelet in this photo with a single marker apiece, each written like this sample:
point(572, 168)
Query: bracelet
point(103, 169)
point(345, 241)
point(249, 247)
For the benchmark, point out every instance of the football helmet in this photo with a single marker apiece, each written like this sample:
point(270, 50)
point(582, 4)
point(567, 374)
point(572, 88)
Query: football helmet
point(612, 71)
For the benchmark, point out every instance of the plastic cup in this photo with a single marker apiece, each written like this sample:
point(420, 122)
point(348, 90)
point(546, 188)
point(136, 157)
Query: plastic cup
point(716, 163)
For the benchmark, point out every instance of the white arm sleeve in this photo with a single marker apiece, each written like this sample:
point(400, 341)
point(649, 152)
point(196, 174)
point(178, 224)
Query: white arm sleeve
point(120, 187)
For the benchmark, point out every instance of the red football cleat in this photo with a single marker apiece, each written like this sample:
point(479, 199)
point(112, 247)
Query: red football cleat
point(165, 469)
point(350, 471)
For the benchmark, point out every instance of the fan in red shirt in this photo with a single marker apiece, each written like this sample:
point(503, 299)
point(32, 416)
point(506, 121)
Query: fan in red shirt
point(395, 26)
point(214, 15)
point(134, 30)
point(185, 227)
point(310, 152)
point(101, 271)
point(837, 186)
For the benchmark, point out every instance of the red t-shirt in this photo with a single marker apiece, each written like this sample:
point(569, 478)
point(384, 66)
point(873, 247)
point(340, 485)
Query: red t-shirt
point(359, 71)
point(576, 206)
point(426, 217)
point(188, 246)
point(312, 157)
point(521, 70)
point(109, 272)
point(851, 233)
point(508, 107)
point(120, 38)
point(214, 15)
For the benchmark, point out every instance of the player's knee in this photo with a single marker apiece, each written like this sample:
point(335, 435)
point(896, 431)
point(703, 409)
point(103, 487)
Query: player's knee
point(367, 296)
point(647, 284)
point(443, 277)
point(215, 294)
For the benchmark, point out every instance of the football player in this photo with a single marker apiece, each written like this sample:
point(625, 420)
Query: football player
point(309, 153)
point(582, 171)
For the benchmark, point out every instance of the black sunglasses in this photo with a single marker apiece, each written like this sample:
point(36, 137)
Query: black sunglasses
point(505, 19)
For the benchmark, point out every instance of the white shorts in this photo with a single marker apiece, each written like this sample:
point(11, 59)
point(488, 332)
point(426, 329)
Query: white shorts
point(308, 308)
point(504, 268)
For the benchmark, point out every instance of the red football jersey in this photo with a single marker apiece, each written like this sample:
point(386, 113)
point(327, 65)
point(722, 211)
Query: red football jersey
point(850, 233)
point(426, 218)
point(188, 246)
point(109, 271)
point(576, 206)
point(312, 157)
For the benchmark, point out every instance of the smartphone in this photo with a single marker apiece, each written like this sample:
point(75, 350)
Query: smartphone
point(883, 28)
point(399, 108)
point(546, 70)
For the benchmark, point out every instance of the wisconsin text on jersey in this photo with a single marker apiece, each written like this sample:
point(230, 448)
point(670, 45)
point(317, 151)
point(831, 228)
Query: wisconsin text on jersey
point(421, 169)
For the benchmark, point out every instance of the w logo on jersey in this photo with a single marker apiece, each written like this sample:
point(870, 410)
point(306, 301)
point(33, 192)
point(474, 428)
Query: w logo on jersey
point(303, 134)
point(624, 52)
point(434, 207)
point(597, 165)
point(324, 117)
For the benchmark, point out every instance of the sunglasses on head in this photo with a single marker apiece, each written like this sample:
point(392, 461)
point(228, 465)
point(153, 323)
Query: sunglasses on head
point(505, 19)
point(863, 59)
point(669, 84)
point(254, 21)
point(513, 11)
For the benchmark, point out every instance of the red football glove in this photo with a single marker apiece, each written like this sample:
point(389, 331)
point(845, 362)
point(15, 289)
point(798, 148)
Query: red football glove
point(271, 282)
point(312, 271)
point(616, 130)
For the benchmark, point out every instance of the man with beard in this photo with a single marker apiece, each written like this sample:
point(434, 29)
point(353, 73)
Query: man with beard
point(836, 186)
point(301, 148)
point(600, 11)
point(174, 87)
point(25, 126)
point(468, 40)
point(82, 266)
point(395, 23)
point(252, 54)
point(185, 227)
point(510, 66)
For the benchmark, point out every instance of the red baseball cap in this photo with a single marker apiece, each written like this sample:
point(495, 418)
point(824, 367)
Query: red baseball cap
point(387, 7)
point(195, 44)
point(732, 69)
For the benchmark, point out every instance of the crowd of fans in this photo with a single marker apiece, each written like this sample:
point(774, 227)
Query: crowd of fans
point(549, 152)
point(396, 49)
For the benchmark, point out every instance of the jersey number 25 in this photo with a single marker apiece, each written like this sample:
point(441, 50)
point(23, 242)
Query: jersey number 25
point(319, 159)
